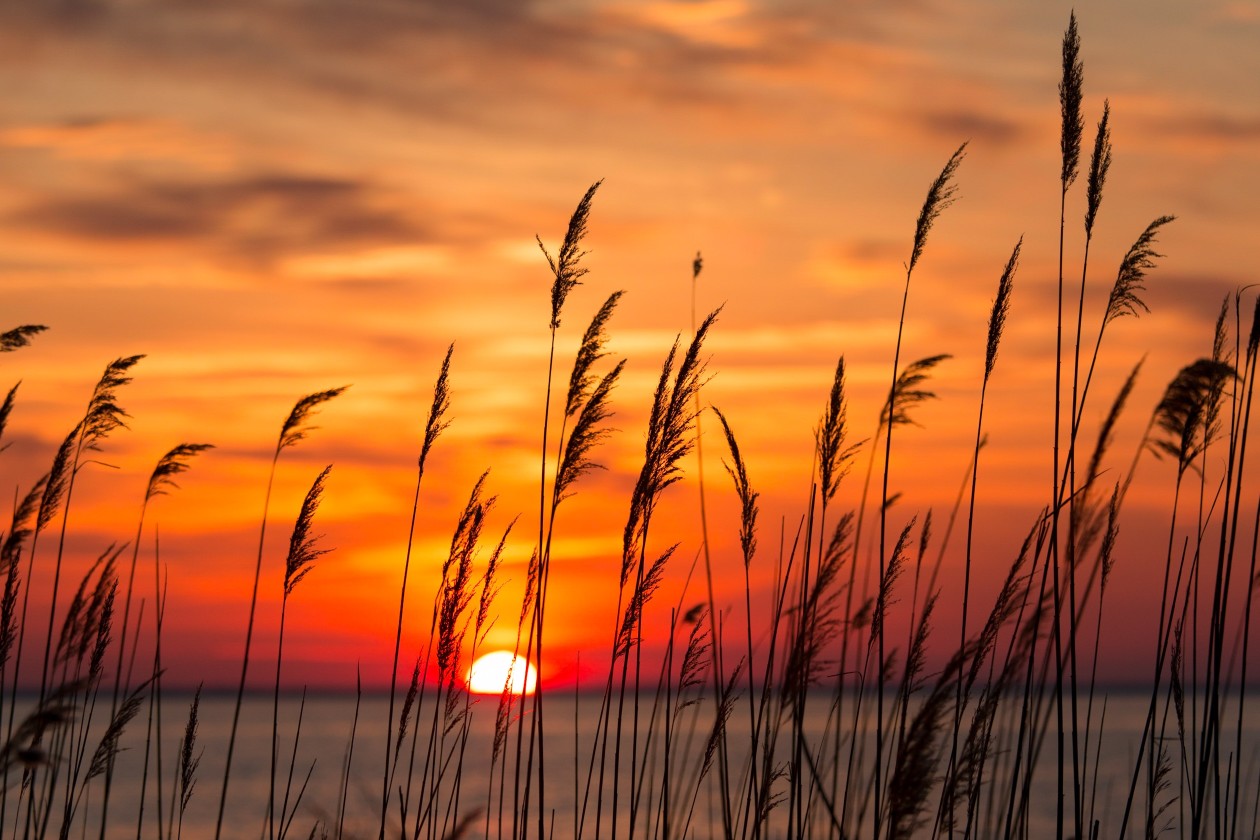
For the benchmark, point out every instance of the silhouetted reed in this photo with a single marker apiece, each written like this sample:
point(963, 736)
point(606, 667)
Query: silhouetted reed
point(295, 428)
point(839, 702)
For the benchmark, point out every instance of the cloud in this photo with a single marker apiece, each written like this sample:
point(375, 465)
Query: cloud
point(257, 218)
point(1215, 128)
point(121, 139)
point(966, 124)
point(437, 59)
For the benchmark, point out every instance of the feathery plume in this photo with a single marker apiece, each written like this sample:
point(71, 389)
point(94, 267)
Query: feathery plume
point(456, 576)
point(1183, 411)
point(1099, 163)
point(1253, 339)
point(917, 656)
point(104, 415)
point(8, 614)
point(104, 625)
point(941, 194)
point(80, 625)
point(833, 456)
point(533, 571)
point(404, 716)
point(1161, 783)
point(907, 393)
point(565, 266)
point(57, 481)
point(668, 438)
point(1220, 334)
point(24, 747)
point(1009, 599)
point(747, 496)
point(1220, 353)
point(189, 757)
point(5, 410)
point(437, 423)
point(696, 656)
point(1140, 258)
point(916, 759)
point(21, 528)
point(590, 351)
point(925, 535)
point(503, 715)
point(302, 551)
point(725, 705)
point(19, 337)
point(1001, 306)
point(171, 464)
point(1070, 97)
point(821, 622)
point(587, 433)
point(1109, 537)
point(643, 592)
point(490, 588)
point(295, 428)
point(107, 749)
point(896, 565)
point(963, 784)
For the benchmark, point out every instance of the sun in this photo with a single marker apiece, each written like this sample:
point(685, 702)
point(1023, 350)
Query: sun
point(490, 674)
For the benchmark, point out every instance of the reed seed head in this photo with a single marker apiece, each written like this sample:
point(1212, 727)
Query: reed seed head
point(189, 757)
point(171, 464)
point(108, 746)
point(490, 587)
point(566, 266)
point(590, 351)
point(941, 194)
point(833, 455)
point(19, 337)
point(747, 496)
point(104, 414)
point(1124, 299)
point(22, 525)
point(587, 433)
point(5, 410)
point(57, 481)
point(1001, 306)
point(907, 393)
point(1070, 95)
point(1253, 339)
point(302, 551)
point(1183, 412)
point(437, 423)
point(1099, 163)
point(296, 427)
point(670, 423)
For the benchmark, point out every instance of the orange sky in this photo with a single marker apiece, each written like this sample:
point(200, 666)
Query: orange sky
point(270, 199)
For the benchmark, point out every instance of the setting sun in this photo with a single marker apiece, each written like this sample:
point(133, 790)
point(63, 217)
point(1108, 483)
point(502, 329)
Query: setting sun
point(490, 673)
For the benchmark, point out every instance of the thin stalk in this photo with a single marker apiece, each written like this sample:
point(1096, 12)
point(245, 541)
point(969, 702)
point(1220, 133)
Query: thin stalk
point(294, 430)
point(433, 427)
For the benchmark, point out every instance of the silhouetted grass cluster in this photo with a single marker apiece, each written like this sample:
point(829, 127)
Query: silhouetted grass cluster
point(960, 748)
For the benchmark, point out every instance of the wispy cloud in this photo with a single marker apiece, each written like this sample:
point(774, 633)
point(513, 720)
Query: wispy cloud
point(257, 218)
point(113, 139)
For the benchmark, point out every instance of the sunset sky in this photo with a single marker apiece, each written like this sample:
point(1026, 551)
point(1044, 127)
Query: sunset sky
point(274, 198)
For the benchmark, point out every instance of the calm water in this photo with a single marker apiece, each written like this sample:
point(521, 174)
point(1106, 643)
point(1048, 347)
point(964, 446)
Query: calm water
point(326, 728)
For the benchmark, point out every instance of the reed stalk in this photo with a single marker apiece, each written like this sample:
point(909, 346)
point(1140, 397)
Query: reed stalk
point(294, 430)
point(433, 427)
